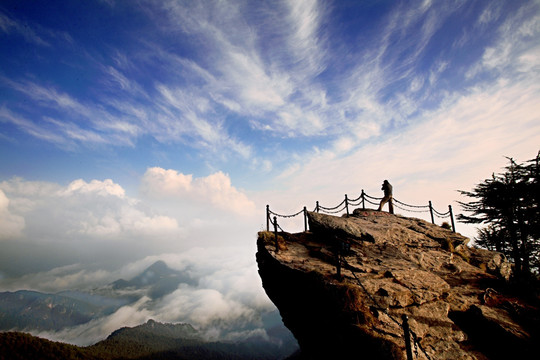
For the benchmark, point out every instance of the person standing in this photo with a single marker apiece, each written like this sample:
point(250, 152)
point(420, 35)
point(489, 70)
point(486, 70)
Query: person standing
point(387, 188)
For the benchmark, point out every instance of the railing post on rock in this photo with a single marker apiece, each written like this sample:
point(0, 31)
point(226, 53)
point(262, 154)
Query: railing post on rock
point(305, 219)
point(347, 204)
point(452, 218)
point(363, 200)
point(431, 212)
point(267, 218)
point(407, 336)
point(275, 233)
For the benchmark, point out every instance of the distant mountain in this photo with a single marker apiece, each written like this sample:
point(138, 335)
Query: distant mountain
point(152, 340)
point(38, 311)
point(158, 278)
point(173, 331)
point(146, 339)
point(31, 310)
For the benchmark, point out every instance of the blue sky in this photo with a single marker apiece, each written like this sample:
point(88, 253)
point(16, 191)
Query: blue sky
point(137, 130)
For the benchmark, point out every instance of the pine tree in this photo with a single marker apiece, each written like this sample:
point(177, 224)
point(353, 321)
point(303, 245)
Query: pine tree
point(508, 204)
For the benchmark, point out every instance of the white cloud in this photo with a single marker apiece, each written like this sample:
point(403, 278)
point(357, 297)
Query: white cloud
point(94, 223)
point(75, 132)
point(102, 188)
point(82, 222)
point(50, 96)
point(8, 25)
point(100, 126)
point(30, 127)
point(228, 294)
point(97, 329)
point(306, 41)
point(205, 308)
point(344, 144)
point(11, 225)
point(513, 49)
point(215, 189)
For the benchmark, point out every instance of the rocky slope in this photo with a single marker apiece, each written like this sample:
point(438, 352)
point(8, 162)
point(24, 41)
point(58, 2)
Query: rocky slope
point(455, 297)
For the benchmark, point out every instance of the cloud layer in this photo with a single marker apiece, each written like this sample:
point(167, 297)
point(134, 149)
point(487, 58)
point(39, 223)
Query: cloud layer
point(89, 222)
point(85, 235)
point(227, 302)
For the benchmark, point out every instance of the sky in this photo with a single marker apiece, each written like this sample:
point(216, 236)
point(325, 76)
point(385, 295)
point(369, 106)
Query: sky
point(132, 131)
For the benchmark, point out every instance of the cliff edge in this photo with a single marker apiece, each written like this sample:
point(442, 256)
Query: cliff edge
point(455, 297)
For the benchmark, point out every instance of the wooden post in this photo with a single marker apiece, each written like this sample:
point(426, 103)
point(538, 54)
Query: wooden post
point(305, 219)
point(407, 336)
point(363, 200)
point(452, 218)
point(347, 204)
point(275, 233)
point(267, 217)
point(431, 212)
point(317, 207)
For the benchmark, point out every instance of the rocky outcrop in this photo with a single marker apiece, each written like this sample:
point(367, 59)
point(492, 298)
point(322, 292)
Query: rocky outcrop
point(390, 266)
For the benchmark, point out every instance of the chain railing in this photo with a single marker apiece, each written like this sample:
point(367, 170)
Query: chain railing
point(361, 201)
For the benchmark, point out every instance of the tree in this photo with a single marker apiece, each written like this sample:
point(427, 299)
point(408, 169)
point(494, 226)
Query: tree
point(508, 204)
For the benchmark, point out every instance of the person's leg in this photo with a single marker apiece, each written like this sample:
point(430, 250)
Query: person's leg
point(383, 201)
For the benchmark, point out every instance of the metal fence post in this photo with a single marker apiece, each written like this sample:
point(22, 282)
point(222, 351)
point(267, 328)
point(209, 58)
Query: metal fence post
point(347, 204)
point(305, 219)
point(431, 212)
point(407, 336)
point(452, 218)
point(267, 218)
point(363, 200)
point(275, 233)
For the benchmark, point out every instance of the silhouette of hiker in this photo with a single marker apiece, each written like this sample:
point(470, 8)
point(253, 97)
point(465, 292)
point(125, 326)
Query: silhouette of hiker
point(387, 188)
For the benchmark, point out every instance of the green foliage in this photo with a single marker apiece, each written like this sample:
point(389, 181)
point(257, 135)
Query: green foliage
point(508, 204)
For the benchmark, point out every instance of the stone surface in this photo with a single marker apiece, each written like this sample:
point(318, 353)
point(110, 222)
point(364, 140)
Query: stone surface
point(393, 266)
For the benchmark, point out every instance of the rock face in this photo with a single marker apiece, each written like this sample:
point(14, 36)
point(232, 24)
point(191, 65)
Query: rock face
point(454, 296)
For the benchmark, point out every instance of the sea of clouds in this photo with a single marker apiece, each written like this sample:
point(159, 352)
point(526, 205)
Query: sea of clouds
point(87, 234)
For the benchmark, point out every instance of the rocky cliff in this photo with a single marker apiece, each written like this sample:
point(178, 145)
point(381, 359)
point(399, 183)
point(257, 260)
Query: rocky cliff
point(456, 298)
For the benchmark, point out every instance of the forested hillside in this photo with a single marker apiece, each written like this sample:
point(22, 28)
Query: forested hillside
point(152, 340)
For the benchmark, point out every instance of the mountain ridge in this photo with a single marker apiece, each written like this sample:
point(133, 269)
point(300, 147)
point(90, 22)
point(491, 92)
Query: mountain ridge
point(151, 340)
